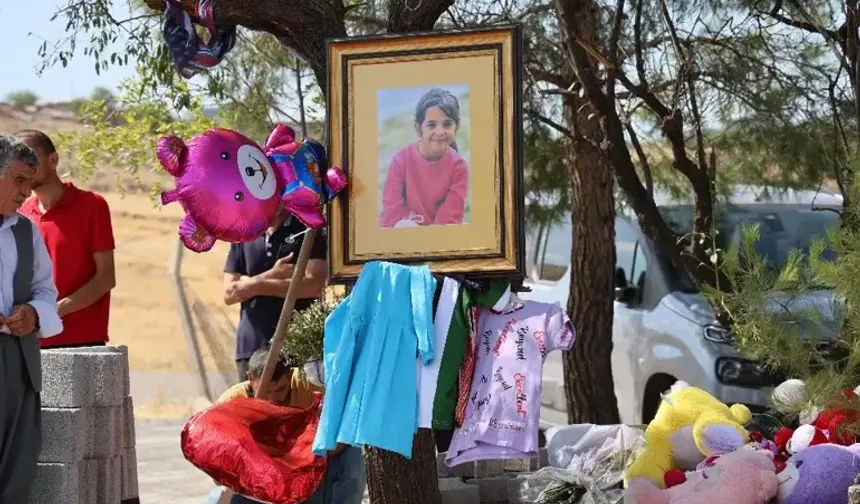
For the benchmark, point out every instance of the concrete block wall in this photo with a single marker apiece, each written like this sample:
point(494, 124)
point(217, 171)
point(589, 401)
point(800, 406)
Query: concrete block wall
point(88, 444)
point(486, 481)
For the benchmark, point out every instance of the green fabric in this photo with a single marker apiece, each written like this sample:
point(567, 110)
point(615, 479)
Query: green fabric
point(447, 388)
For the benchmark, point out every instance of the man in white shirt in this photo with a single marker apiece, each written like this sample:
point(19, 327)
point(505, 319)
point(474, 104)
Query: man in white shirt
point(28, 311)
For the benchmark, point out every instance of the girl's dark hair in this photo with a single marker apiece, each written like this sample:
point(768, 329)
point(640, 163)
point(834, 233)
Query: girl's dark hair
point(445, 100)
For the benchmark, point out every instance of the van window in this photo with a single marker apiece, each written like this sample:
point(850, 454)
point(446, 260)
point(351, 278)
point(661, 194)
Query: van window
point(625, 246)
point(548, 248)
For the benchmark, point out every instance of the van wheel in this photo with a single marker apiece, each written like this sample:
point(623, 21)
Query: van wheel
point(657, 385)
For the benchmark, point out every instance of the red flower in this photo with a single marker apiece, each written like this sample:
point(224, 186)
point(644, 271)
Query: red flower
point(782, 437)
point(674, 477)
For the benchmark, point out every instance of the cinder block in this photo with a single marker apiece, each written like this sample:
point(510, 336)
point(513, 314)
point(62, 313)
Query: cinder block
point(515, 491)
point(489, 468)
point(494, 489)
point(110, 372)
point(543, 458)
point(66, 435)
point(466, 470)
point(128, 435)
point(519, 465)
point(57, 484)
point(109, 480)
point(106, 426)
point(129, 488)
point(66, 380)
point(89, 480)
point(454, 491)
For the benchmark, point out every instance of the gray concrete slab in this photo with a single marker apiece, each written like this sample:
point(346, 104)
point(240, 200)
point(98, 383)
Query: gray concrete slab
point(163, 473)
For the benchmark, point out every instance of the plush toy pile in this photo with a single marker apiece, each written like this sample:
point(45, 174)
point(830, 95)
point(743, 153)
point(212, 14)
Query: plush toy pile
point(699, 451)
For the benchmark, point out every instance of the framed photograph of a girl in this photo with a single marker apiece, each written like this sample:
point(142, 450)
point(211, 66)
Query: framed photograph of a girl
point(429, 130)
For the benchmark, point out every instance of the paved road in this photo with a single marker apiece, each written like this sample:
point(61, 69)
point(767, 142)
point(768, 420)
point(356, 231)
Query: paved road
point(164, 476)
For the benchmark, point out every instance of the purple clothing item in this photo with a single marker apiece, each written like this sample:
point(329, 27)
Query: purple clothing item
point(503, 412)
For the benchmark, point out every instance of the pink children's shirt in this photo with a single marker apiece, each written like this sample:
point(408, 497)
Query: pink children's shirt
point(424, 191)
point(503, 412)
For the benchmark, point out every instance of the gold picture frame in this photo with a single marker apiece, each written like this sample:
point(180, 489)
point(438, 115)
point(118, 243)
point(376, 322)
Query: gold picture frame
point(428, 128)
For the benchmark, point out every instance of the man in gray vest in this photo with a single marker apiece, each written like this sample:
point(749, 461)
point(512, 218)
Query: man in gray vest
point(28, 311)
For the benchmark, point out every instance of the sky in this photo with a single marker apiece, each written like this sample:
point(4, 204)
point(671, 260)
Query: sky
point(24, 25)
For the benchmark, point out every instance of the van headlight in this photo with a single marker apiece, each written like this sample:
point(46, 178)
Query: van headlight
point(718, 334)
point(744, 373)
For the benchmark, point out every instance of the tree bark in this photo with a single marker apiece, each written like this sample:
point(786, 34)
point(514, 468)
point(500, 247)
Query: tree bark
point(588, 385)
point(392, 479)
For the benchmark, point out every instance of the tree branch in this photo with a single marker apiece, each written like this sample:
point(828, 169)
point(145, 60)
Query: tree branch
point(542, 75)
point(415, 15)
point(643, 160)
point(549, 122)
point(613, 50)
point(289, 20)
point(637, 40)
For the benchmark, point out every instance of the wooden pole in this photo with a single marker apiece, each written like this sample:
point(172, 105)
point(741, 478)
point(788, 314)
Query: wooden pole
point(281, 329)
point(286, 312)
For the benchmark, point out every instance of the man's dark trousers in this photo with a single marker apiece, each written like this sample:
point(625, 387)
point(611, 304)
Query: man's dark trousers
point(20, 387)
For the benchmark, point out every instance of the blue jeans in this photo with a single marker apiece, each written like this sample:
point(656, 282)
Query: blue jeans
point(344, 482)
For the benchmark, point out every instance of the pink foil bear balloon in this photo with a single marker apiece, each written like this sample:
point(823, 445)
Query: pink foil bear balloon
point(230, 188)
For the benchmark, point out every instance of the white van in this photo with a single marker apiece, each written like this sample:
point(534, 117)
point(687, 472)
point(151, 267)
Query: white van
point(663, 328)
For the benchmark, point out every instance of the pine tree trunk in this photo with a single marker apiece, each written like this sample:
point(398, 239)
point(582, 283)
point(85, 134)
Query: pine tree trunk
point(392, 479)
point(588, 385)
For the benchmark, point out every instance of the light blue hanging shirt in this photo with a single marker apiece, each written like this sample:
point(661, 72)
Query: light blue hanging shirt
point(372, 340)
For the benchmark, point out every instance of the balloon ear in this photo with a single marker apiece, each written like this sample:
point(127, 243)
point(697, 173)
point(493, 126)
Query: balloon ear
point(170, 150)
point(281, 135)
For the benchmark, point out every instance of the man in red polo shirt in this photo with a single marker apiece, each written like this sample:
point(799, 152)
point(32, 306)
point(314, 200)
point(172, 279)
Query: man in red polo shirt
point(76, 226)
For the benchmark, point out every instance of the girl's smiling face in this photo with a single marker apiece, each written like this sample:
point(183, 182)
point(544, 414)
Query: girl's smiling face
point(436, 132)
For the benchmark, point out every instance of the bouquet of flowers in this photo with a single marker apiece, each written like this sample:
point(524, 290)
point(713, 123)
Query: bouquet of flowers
point(587, 465)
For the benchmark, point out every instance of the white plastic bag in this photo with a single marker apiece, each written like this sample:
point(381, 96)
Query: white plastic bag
point(587, 465)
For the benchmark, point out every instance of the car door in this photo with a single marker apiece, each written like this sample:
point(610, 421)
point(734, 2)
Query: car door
point(624, 320)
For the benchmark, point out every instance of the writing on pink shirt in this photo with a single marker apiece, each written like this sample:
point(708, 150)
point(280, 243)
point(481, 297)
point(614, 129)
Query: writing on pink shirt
point(495, 423)
point(539, 339)
point(497, 376)
point(503, 336)
point(519, 386)
point(521, 340)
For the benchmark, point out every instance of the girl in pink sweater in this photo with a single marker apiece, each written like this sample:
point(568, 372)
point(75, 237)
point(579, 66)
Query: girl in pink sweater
point(428, 180)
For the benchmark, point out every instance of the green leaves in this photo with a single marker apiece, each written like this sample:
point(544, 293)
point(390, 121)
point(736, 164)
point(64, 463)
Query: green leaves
point(304, 339)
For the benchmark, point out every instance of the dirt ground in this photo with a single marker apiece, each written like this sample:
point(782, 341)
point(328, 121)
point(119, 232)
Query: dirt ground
point(144, 313)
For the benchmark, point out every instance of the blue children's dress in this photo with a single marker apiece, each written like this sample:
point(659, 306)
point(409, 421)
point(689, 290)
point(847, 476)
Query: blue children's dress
point(371, 342)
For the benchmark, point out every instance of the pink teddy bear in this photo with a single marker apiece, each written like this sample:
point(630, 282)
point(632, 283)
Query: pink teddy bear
point(739, 477)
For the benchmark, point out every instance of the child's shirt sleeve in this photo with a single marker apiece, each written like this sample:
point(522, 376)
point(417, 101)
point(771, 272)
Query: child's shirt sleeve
point(453, 207)
point(394, 208)
point(560, 333)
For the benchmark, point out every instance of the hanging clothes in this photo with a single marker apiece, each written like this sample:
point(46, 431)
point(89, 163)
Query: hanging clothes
point(439, 383)
point(371, 341)
point(503, 408)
